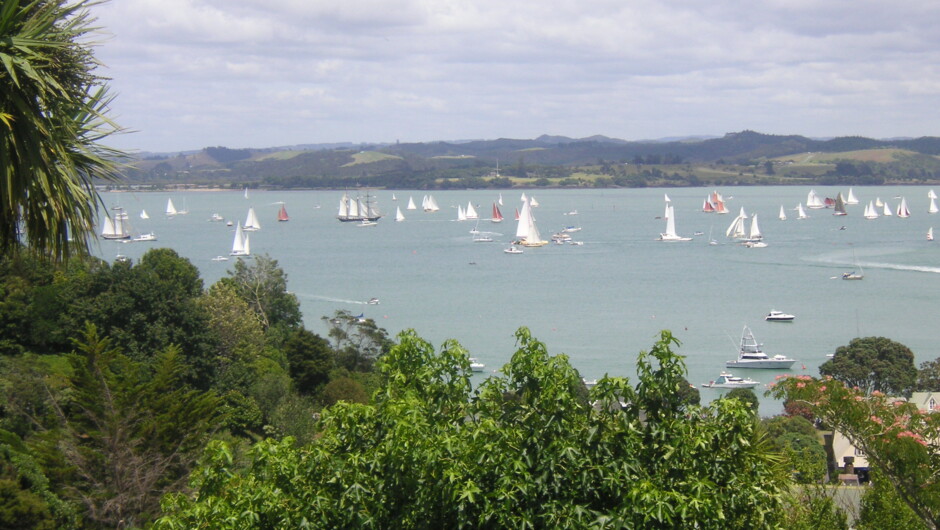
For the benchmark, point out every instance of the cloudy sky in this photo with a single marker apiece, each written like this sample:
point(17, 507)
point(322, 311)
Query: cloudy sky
point(260, 73)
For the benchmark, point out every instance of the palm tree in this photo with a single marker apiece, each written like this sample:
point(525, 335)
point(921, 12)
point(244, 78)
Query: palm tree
point(52, 118)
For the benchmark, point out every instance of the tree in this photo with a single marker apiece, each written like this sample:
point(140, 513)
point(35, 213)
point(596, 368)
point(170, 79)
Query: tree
point(747, 396)
point(528, 451)
point(358, 342)
point(264, 286)
point(928, 377)
point(53, 114)
point(900, 442)
point(873, 364)
point(310, 359)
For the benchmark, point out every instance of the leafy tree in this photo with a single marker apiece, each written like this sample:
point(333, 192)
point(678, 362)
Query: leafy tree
point(873, 364)
point(126, 434)
point(310, 359)
point(358, 342)
point(928, 377)
point(747, 396)
point(812, 508)
point(881, 508)
point(527, 451)
point(899, 441)
point(236, 333)
point(264, 286)
point(52, 117)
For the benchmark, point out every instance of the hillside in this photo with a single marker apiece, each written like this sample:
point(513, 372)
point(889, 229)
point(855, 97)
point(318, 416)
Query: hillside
point(745, 157)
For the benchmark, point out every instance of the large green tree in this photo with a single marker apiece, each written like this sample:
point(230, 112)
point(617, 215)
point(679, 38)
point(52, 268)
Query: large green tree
point(528, 450)
point(53, 116)
point(873, 364)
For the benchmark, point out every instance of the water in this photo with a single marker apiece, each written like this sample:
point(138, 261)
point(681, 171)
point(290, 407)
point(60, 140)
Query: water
point(599, 303)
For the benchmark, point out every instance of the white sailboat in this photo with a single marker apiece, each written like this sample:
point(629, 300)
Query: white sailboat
point(903, 211)
point(851, 198)
point(879, 203)
point(933, 202)
point(143, 214)
point(461, 214)
point(246, 192)
point(670, 233)
point(930, 234)
point(736, 228)
point(534, 203)
point(783, 215)
point(251, 221)
point(240, 246)
point(754, 236)
point(526, 230)
point(886, 210)
point(800, 212)
point(471, 212)
point(398, 215)
point(813, 201)
point(430, 204)
point(870, 212)
point(114, 229)
point(170, 208)
point(394, 198)
point(411, 204)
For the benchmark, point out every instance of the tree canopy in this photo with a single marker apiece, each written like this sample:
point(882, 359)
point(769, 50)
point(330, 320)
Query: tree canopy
point(873, 364)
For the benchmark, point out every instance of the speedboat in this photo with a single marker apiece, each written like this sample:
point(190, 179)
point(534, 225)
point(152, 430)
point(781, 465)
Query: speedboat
point(475, 365)
point(751, 355)
point(778, 316)
point(220, 258)
point(513, 250)
point(146, 237)
point(373, 301)
point(726, 380)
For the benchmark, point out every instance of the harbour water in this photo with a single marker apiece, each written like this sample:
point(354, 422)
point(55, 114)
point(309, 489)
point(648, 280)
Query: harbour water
point(601, 302)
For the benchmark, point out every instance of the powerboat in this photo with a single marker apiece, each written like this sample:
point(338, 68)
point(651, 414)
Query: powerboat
point(726, 380)
point(750, 355)
point(373, 301)
point(512, 250)
point(778, 316)
point(476, 365)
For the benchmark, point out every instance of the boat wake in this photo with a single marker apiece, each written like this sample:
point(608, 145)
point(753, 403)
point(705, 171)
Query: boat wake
point(900, 267)
point(331, 299)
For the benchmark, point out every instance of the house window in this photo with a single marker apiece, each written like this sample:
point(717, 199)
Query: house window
point(859, 452)
point(932, 404)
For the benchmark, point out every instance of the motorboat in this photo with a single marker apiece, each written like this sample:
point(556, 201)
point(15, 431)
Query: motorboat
point(512, 250)
point(146, 237)
point(750, 355)
point(220, 258)
point(373, 301)
point(476, 365)
point(778, 316)
point(726, 380)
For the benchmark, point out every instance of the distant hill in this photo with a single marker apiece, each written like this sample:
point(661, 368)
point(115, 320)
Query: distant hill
point(549, 160)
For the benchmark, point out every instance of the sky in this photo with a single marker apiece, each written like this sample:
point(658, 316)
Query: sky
point(189, 74)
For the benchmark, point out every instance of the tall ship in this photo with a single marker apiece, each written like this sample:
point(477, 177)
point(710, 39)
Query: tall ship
point(357, 209)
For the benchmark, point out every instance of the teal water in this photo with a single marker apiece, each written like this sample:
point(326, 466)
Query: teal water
point(599, 303)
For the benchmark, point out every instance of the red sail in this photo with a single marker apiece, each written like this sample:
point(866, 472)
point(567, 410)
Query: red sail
point(282, 215)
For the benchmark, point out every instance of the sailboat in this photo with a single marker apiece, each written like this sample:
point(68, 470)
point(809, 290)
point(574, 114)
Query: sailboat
point(526, 230)
point(783, 215)
point(461, 214)
point(398, 215)
point(930, 234)
point(246, 192)
point(430, 205)
point(754, 236)
point(282, 214)
point(143, 214)
point(184, 210)
point(357, 209)
point(870, 212)
point(251, 222)
point(500, 201)
point(857, 274)
point(114, 229)
point(813, 201)
point(240, 246)
point(851, 198)
point(736, 228)
point(840, 205)
point(394, 198)
point(886, 210)
point(411, 204)
point(497, 215)
point(800, 212)
point(933, 202)
point(903, 211)
point(170, 208)
point(879, 203)
point(670, 233)
point(471, 211)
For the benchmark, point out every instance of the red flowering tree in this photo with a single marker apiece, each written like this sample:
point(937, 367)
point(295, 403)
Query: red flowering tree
point(899, 440)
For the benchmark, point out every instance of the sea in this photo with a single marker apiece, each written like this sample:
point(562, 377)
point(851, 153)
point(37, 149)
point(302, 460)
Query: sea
point(600, 302)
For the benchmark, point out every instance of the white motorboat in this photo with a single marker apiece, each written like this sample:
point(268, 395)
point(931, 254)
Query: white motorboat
point(778, 316)
point(476, 365)
point(726, 380)
point(373, 301)
point(750, 355)
point(220, 258)
point(512, 250)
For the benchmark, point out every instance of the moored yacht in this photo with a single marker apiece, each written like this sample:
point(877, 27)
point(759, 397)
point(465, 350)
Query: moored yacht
point(751, 355)
point(778, 316)
point(726, 380)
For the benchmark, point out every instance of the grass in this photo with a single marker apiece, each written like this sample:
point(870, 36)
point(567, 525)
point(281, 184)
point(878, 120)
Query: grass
point(368, 157)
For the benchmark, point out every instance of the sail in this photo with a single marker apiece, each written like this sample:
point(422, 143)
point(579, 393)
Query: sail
point(497, 215)
point(930, 234)
point(736, 228)
point(902, 208)
point(720, 206)
point(240, 243)
point(411, 204)
point(707, 206)
point(670, 223)
point(886, 210)
point(755, 230)
point(246, 192)
point(398, 215)
point(251, 221)
point(143, 214)
point(851, 198)
point(354, 212)
point(533, 203)
point(783, 214)
point(522, 227)
point(800, 212)
point(813, 201)
point(343, 207)
point(879, 203)
point(933, 205)
point(170, 209)
point(107, 229)
point(870, 211)
point(282, 214)
point(461, 214)
point(840, 205)
point(500, 199)
point(432, 204)
point(471, 212)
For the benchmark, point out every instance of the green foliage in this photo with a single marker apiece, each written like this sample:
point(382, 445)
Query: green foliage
point(813, 508)
point(873, 364)
point(53, 114)
point(310, 359)
point(527, 452)
point(343, 389)
point(747, 396)
point(263, 285)
point(898, 440)
point(357, 342)
point(22, 509)
point(26, 500)
point(881, 508)
point(928, 377)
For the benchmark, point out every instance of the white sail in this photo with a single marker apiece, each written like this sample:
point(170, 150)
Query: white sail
point(902, 208)
point(107, 228)
point(533, 203)
point(522, 224)
point(800, 212)
point(251, 221)
point(524, 198)
point(670, 233)
point(471, 212)
point(246, 192)
point(851, 198)
point(870, 211)
point(930, 234)
point(879, 203)
point(343, 206)
point(736, 228)
point(143, 214)
point(783, 214)
point(754, 234)
point(239, 245)
point(394, 198)
point(432, 205)
point(933, 205)
point(813, 201)
point(461, 214)
point(398, 215)
point(931, 195)
point(886, 210)
point(500, 199)
point(170, 209)
point(411, 204)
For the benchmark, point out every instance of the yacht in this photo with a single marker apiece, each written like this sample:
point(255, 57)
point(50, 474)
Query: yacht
point(751, 355)
point(476, 365)
point(726, 380)
point(778, 316)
